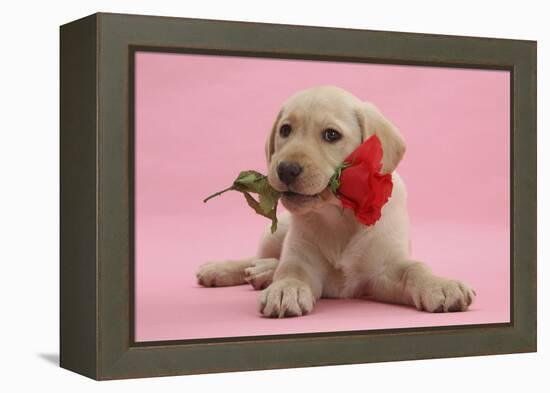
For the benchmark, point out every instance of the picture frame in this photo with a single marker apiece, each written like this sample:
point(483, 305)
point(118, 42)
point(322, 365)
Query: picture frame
point(97, 205)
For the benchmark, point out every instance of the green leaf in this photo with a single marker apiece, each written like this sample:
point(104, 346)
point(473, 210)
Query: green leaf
point(251, 181)
point(268, 198)
point(254, 182)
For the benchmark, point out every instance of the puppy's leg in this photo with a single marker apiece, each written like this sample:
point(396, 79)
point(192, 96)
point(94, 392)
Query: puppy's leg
point(225, 273)
point(260, 274)
point(258, 270)
point(412, 283)
point(255, 271)
point(295, 288)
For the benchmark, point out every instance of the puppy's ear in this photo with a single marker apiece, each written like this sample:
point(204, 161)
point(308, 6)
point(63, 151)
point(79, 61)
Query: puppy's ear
point(270, 143)
point(372, 121)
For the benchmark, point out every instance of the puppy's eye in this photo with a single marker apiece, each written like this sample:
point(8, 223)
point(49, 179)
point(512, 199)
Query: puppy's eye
point(285, 130)
point(330, 135)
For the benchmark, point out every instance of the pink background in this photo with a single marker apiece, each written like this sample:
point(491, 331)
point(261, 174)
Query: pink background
point(202, 119)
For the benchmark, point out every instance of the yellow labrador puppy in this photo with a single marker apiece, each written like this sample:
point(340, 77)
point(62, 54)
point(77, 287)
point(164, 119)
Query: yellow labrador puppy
point(318, 250)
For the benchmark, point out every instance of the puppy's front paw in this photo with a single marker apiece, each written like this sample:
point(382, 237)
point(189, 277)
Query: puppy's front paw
point(436, 294)
point(286, 298)
point(260, 274)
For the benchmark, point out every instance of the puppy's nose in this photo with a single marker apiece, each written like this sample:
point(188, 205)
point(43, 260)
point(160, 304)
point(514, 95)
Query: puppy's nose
point(288, 171)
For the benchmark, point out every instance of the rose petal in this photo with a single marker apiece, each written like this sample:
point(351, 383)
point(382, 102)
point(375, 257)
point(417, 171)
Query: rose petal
point(362, 187)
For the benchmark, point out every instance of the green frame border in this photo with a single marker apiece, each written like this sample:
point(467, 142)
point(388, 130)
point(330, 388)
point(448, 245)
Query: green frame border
point(97, 195)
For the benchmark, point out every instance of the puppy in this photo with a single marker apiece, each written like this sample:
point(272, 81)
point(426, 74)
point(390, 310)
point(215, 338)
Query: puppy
point(320, 250)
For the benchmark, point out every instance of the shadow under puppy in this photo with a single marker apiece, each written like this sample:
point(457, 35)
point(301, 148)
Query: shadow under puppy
point(320, 250)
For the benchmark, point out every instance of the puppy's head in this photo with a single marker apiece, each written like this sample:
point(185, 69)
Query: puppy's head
point(314, 132)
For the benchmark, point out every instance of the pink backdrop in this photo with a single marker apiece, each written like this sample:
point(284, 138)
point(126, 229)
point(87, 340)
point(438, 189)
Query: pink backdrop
point(202, 119)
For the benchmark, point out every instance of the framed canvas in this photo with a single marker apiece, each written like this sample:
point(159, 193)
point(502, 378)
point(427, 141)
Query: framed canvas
point(157, 113)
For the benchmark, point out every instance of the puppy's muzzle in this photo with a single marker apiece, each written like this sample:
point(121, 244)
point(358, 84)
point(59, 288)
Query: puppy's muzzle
point(288, 171)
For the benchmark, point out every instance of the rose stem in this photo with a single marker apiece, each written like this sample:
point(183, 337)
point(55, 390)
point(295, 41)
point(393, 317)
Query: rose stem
point(217, 194)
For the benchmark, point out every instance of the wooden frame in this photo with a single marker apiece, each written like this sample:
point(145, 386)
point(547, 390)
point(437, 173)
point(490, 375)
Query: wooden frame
point(97, 196)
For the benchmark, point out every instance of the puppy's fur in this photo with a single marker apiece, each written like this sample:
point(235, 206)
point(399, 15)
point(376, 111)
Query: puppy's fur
point(320, 250)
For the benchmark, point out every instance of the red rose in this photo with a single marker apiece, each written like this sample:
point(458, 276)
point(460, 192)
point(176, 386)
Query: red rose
point(362, 187)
